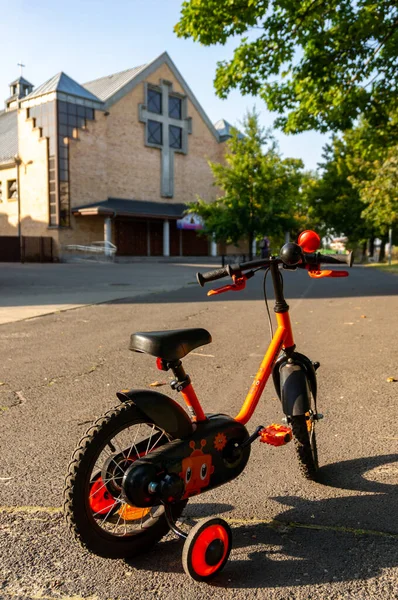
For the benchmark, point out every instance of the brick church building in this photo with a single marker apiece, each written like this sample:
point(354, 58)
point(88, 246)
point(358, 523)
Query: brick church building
point(113, 159)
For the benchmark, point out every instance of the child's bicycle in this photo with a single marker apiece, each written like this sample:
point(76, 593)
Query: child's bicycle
point(136, 467)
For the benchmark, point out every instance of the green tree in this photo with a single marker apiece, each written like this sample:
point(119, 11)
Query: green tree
point(306, 214)
point(334, 199)
point(380, 194)
point(355, 193)
point(318, 63)
point(258, 188)
point(378, 191)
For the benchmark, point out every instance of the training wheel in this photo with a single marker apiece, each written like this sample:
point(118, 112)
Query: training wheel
point(207, 548)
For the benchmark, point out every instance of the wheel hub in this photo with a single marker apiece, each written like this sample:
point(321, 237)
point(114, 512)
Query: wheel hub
point(214, 552)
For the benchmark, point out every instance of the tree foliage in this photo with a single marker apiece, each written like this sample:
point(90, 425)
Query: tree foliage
point(320, 64)
point(258, 188)
point(380, 192)
point(334, 199)
point(356, 193)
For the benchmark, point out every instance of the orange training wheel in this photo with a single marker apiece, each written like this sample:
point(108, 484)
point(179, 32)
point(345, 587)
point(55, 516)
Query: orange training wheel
point(207, 548)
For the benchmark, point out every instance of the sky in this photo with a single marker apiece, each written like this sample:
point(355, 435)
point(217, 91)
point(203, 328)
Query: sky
point(88, 39)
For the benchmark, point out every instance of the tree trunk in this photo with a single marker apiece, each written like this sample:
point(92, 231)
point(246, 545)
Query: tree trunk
point(382, 255)
point(364, 246)
point(371, 247)
point(251, 238)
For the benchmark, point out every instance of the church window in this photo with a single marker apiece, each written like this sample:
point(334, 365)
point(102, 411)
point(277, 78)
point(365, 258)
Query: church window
point(154, 101)
point(175, 107)
point(12, 189)
point(154, 132)
point(175, 137)
point(71, 118)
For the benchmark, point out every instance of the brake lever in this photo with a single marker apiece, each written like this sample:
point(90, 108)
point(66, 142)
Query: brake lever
point(239, 283)
point(318, 274)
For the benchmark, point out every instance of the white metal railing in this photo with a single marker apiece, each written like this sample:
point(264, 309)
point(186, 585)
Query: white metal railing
point(95, 250)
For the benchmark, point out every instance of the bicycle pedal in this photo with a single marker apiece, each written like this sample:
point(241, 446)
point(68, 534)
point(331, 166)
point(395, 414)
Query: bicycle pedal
point(276, 435)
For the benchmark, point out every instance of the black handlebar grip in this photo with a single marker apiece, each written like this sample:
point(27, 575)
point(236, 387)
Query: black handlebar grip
point(203, 278)
point(337, 259)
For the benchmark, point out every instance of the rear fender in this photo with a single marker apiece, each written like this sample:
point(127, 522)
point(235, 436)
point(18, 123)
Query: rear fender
point(161, 410)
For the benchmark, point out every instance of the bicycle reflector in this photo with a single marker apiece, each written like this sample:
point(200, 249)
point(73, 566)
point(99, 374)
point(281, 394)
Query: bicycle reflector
point(309, 240)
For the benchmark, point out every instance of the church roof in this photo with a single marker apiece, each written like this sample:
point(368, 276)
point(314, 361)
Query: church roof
point(112, 88)
point(62, 83)
point(21, 80)
point(8, 136)
point(138, 208)
point(225, 129)
point(105, 87)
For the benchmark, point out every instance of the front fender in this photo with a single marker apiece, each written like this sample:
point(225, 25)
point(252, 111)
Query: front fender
point(294, 379)
point(161, 410)
point(298, 359)
point(295, 396)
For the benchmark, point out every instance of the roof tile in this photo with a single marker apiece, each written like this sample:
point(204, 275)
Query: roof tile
point(105, 87)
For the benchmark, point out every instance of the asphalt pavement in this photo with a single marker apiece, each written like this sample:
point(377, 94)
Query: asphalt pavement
point(291, 538)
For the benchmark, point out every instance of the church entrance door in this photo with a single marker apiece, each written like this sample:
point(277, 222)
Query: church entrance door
point(131, 237)
point(194, 244)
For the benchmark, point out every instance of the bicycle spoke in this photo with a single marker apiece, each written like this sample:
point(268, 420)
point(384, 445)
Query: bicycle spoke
point(119, 452)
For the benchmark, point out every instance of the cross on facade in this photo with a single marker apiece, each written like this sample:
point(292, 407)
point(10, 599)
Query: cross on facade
point(172, 133)
point(21, 66)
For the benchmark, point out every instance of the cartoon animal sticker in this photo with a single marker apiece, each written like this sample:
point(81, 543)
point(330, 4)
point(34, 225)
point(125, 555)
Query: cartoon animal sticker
point(196, 470)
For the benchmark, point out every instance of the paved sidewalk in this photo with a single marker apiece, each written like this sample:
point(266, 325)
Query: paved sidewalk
point(33, 290)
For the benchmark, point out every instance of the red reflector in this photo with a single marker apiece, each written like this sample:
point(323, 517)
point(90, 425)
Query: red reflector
point(309, 240)
point(159, 364)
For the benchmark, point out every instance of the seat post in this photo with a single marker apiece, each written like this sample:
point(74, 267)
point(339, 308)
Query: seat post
point(182, 383)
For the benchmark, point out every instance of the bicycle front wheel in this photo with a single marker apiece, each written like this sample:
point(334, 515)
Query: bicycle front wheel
point(303, 427)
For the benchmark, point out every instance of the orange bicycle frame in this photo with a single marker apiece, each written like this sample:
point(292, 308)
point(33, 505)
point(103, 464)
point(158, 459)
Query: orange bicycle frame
point(283, 338)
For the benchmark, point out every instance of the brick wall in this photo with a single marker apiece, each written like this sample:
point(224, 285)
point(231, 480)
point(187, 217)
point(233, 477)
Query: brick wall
point(111, 159)
point(8, 208)
point(33, 174)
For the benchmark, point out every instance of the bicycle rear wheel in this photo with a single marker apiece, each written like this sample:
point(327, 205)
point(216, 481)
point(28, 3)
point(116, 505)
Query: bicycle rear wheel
point(94, 505)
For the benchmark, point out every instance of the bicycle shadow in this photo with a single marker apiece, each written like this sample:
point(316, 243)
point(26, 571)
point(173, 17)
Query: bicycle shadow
point(313, 541)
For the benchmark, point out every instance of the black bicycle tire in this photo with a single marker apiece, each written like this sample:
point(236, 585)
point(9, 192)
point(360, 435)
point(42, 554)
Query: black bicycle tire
point(80, 523)
point(306, 451)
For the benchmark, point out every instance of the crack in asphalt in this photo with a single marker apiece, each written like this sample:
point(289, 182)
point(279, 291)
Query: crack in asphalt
point(21, 399)
point(271, 523)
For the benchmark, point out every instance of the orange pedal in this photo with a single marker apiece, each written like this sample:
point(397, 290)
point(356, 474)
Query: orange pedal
point(276, 435)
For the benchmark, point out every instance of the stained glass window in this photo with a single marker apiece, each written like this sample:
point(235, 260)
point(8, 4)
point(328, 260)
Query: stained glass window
point(175, 137)
point(154, 132)
point(154, 101)
point(175, 107)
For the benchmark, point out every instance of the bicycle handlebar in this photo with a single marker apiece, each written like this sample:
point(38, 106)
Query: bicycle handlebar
point(203, 278)
point(314, 258)
point(336, 259)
